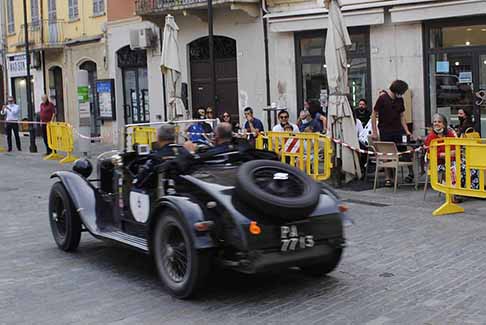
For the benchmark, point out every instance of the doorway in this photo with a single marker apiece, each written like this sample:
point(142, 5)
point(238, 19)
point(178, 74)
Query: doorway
point(95, 121)
point(56, 93)
point(133, 64)
point(226, 75)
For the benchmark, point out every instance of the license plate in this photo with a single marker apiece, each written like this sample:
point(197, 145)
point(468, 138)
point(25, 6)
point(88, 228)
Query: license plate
point(292, 240)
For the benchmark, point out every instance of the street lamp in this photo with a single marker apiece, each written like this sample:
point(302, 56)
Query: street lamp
point(212, 65)
point(30, 108)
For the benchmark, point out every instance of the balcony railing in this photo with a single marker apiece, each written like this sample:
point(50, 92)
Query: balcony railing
point(43, 34)
point(147, 7)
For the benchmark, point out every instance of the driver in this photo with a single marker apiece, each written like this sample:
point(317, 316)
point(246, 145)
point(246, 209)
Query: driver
point(164, 149)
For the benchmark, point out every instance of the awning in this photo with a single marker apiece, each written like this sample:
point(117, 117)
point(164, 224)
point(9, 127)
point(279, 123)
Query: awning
point(318, 19)
point(435, 10)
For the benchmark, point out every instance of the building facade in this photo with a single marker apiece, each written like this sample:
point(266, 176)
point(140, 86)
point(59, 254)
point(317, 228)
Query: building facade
point(134, 54)
point(273, 51)
point(64, 37)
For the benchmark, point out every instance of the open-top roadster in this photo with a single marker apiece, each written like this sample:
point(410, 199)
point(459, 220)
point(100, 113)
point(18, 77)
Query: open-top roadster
point(241, 209)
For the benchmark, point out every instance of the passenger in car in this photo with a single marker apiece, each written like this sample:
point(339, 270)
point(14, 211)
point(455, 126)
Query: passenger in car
point(163, 150)
point(222, 142)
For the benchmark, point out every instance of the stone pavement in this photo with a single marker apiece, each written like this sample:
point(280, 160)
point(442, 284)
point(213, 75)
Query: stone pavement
point(402, 266)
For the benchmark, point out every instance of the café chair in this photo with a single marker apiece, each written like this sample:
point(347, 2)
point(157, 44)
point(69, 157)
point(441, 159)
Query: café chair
point(389, 157)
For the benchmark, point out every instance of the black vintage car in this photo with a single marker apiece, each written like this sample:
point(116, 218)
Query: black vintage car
point(240, 209)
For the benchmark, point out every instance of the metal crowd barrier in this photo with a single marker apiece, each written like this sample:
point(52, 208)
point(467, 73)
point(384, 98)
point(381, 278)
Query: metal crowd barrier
point(464, 170)
point(310, 152)
point(60, 138)
point(143, 134)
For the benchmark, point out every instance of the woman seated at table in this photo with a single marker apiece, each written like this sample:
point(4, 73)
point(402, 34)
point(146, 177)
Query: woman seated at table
point(440, 130)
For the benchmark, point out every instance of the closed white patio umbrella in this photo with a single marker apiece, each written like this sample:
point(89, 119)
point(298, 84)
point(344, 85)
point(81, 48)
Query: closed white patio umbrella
point(171, 68)
point(340, 114)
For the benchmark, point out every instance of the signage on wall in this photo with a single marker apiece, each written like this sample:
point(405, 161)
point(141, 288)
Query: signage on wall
point(465, 77)
point(442, 67)
point(105, 95)
point(17, 66)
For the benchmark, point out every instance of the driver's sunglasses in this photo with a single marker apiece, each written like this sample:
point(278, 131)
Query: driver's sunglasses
point(226, 115)
point(284, 117)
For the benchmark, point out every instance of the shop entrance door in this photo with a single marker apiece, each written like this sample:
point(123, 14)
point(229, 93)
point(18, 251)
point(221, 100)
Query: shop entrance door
point(456, 79)
point(90, 66)
point(135, 95)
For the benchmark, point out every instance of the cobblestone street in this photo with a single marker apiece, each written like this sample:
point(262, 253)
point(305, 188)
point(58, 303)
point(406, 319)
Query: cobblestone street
point(402, 266)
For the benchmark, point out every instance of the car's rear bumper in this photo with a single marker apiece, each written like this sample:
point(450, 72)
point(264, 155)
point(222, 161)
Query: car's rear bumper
point(267, 260)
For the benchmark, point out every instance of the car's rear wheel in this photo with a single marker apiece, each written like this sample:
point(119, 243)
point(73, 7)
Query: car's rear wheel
point(181, 267)
point(63, 218)
point(276, 189)
point(323, 268)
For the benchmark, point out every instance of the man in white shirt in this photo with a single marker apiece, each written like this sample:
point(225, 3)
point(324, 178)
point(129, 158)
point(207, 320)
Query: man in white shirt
point(283, 117)
point(12, 111)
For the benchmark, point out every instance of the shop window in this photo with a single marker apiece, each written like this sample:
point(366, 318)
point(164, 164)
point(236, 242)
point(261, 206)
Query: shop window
point(458, 36)
point(311, 67)
point(456, 69)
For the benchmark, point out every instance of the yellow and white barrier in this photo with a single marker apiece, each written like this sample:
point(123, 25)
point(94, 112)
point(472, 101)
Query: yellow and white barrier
point(460, 154)
point(310, 152)
point(60, 138)
point(143, 134)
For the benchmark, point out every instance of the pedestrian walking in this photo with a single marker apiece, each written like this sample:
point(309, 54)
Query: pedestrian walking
point(12, 111)
point(47, 114)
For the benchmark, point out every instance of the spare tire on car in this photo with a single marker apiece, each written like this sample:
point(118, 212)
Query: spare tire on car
point(276, 189)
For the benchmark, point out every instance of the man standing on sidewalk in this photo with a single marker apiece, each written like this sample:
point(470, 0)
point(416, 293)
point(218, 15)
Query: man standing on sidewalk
point(12, 111)
point(47, 114)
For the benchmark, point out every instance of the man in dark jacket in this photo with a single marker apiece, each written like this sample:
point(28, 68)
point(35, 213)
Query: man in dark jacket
point(164, 149)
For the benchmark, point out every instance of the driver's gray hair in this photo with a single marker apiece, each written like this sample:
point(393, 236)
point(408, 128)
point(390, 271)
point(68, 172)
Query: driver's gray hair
point(166, 132)
point(224, 131)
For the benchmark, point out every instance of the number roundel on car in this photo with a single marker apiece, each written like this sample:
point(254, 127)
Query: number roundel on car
point(140, 206)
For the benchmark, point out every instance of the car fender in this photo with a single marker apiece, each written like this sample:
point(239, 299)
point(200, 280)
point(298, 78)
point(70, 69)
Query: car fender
point(189, 212)
point(83, 196)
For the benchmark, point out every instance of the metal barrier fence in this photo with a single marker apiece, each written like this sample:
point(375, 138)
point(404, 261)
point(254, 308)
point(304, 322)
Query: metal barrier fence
point(146, 133)
point(60, 138)
point(463, 164)
point(310, 152)
point(142, 134)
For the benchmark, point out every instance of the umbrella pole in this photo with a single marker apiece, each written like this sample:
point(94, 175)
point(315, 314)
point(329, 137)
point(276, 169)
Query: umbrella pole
point(165, 96)
point(337, 169)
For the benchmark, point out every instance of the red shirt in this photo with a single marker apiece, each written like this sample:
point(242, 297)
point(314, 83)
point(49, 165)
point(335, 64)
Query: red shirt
point(440, 149)
point(47, 111)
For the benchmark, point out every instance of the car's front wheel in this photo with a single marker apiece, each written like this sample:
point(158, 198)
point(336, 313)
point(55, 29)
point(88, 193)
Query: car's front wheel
point(323, 268)
point(63, 218)
point(181, 267)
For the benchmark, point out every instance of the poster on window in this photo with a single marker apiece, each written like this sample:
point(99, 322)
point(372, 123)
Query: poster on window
point(105, 95)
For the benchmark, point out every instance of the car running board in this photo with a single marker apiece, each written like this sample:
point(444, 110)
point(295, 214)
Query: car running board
point(124, 238)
